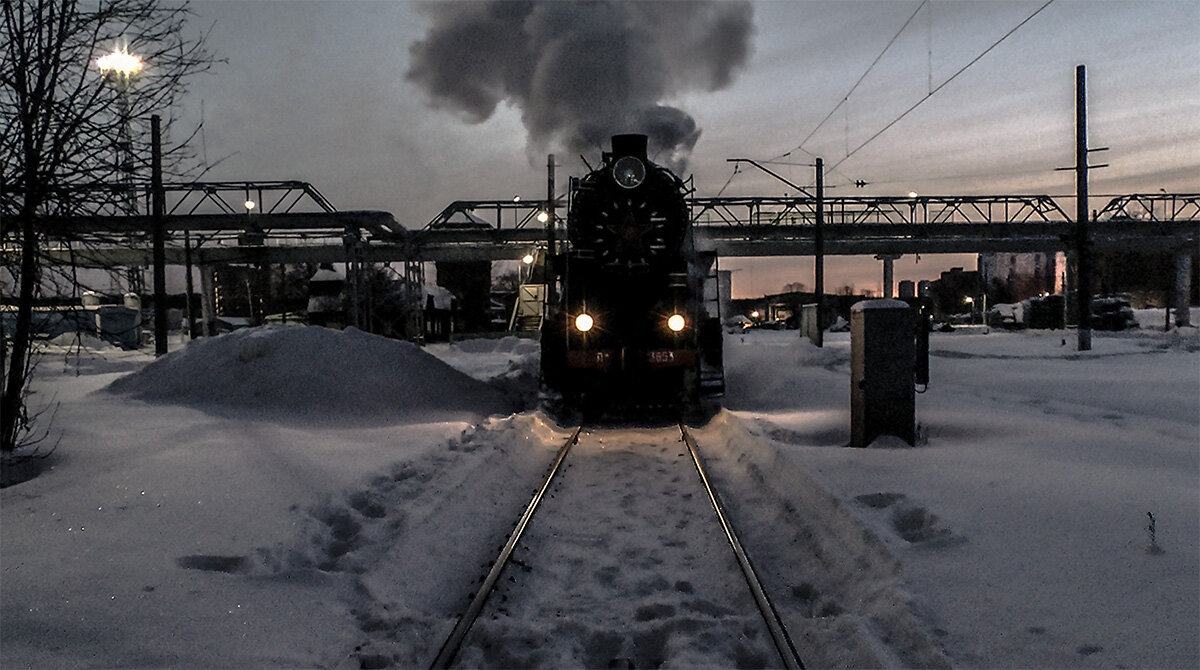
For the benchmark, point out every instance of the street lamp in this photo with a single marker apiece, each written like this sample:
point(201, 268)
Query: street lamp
point(970, 303)
point(118, 69)
point(119, 64)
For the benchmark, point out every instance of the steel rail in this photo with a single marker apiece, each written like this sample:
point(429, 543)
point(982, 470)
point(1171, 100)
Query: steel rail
point(779, 634)
point(452, 644)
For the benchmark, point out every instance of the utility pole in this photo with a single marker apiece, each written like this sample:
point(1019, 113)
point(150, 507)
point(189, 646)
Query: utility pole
point(187, 261)
point(819, 251)
point(1083, 261)
point(158, 235)
point(551, 243)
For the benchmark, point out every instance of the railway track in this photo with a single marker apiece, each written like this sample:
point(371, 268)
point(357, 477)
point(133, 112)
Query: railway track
point(588, 569)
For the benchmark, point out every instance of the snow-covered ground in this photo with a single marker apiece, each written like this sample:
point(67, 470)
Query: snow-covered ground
point(297, 497)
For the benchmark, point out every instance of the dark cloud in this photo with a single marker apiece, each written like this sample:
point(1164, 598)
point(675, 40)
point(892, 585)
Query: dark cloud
point(581, 72)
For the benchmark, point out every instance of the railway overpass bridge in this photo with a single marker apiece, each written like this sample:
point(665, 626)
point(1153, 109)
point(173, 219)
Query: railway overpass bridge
point(290, 222)
point(492, 230)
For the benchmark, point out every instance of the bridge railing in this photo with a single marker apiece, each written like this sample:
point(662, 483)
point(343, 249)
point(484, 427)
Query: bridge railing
point(740, 211)
point(1153, 207)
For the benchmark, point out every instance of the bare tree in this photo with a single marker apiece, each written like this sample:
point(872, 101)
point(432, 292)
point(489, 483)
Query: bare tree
point(65, 126)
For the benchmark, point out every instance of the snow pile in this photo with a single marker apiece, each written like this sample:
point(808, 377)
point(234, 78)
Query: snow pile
point(80, 339)
point(312, 374)
point(509, 364)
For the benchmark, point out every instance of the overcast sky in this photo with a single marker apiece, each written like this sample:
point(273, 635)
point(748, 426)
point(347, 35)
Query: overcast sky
point(321, 92)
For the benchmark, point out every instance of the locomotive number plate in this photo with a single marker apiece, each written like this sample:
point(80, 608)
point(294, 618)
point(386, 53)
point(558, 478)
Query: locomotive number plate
point(662, 357)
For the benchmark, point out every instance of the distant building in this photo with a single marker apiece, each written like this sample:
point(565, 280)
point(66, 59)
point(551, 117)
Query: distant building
point(950, 291)
point(1013, 277)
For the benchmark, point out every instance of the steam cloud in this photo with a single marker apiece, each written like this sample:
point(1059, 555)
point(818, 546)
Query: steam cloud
point(581, 72)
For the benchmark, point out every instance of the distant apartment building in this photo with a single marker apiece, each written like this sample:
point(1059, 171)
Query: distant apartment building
point(1013, 277)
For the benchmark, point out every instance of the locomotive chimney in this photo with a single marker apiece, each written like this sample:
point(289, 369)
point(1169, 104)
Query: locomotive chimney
point(629, 145)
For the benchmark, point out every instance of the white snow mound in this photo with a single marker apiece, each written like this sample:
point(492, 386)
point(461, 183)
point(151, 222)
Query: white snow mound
point(311, 374)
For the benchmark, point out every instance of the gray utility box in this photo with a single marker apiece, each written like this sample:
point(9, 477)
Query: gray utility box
point(882, 371)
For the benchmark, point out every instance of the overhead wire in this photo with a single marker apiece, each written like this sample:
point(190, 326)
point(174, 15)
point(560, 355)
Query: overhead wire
point(943, 84)
point(736, 169)
point(866, 72)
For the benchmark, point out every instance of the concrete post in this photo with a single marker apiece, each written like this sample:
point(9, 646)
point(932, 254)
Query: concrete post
point(889, 277)
point(1183, 287)
point(208, 302)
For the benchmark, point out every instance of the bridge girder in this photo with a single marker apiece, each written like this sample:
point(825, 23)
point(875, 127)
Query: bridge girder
point(736, 226)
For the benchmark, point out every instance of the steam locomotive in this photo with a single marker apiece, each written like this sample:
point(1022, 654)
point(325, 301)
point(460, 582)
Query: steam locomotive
point(636, 323)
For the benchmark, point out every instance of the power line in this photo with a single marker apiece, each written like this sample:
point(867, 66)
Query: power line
point(943, 84)
point(846, 97)
point(736, 169)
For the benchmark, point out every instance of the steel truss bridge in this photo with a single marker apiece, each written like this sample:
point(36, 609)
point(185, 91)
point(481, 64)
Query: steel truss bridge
point(209, 223)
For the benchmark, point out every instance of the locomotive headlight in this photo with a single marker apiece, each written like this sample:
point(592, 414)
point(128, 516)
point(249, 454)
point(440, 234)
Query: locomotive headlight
point(584, 323)
point(629, 172)
point(676, 322)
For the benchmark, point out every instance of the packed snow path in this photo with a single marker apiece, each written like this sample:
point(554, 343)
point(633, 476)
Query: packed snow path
point(571, 575)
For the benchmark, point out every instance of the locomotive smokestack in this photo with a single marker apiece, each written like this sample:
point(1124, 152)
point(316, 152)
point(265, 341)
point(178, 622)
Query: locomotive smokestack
point(629, 145)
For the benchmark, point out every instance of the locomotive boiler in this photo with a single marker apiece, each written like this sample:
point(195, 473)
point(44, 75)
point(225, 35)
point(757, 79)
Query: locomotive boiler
point(635, 325)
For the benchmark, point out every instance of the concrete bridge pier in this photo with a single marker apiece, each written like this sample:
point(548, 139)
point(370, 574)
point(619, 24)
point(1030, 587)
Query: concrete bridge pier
point(889, 277)
point(1183, 286)
point(208, 302)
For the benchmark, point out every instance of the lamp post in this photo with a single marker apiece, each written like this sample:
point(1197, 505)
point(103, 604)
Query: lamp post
point(970, 303)
point(118, 68)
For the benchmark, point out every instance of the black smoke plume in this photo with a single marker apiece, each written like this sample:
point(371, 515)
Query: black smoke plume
point(583, 71)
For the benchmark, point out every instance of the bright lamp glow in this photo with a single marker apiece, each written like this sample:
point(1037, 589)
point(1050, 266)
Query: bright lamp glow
point(543, 217)
point(676, 322)
point(629, 172)
point(249, 205)
point(120, 62)
point(584, 323)
point(527, 259)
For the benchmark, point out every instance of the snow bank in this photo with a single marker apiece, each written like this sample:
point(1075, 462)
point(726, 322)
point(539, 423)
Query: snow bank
point(840, 590)
point(311, 374)
point(511, 365)
point(1021, 519)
